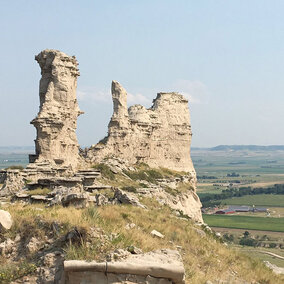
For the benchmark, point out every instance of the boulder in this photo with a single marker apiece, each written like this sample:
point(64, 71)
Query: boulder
point(78, 200)
point(127, 198)
point(5, 220)
point(157, 234)
point(157, 267)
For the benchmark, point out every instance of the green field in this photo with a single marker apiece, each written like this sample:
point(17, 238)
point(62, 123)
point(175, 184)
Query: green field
point(245, 222)
point(248, 163)
point(270, 200)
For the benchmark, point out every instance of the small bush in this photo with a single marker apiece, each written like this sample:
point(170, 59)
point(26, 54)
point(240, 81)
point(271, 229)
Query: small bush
point(13, 272)
point(248, 242)
point(91, 215)
point(15, 167)
point(149, 175)
point(129, 189)
point(105, 171)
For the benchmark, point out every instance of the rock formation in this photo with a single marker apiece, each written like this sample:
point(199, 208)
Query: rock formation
point(56, 122)
point(158, 267)
point(159, 136)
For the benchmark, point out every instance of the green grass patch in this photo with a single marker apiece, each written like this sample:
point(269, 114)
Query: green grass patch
point(271, 200)
point(105, 171)
point(149, 175)
point(11, 272)
point(15, 167)
point(129, 188)
point(245, 222)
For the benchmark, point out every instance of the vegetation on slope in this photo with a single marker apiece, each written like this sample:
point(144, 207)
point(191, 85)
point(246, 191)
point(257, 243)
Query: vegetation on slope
point(205, 257)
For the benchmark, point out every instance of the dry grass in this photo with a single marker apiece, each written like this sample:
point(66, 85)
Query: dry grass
point(204, 258)
point(39, 191)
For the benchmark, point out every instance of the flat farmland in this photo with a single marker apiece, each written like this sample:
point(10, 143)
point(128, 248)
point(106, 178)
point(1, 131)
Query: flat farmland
point(245, 222)
point(268, 200)
point(260, 254)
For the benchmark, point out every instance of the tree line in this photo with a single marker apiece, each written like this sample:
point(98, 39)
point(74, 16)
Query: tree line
point(213, 199)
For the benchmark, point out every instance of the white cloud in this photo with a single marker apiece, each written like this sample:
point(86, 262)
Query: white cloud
point(91, 94)
point(195, 91)
point(138, 99)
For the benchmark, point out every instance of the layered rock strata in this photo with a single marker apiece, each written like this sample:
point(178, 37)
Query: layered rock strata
point(56, 142)
point(159, 136)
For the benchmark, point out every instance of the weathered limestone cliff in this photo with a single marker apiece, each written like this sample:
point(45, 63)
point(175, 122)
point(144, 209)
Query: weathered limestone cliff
point(159, 136)
point(56, 122)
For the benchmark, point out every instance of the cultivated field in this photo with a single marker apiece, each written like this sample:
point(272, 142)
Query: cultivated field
point(245, 222)
point(268, 200)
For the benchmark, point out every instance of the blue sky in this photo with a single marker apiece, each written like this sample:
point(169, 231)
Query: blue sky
point(227, 57)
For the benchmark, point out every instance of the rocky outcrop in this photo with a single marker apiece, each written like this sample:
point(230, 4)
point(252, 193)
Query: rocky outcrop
point(159, 136)
point(56, 122)
point(13, 181)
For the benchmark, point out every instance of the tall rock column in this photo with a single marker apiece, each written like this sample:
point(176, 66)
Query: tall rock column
point(120, 112)
point(56, 122)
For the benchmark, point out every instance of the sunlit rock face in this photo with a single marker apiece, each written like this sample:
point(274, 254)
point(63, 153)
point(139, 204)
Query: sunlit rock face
point(56, 122)
point(159, 136)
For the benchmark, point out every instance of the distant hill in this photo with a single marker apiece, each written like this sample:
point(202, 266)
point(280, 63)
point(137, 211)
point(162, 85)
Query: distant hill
point(243, 148)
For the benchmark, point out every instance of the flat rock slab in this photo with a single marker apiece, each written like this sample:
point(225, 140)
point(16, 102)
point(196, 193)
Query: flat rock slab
point(6, 221)
point(163, 266)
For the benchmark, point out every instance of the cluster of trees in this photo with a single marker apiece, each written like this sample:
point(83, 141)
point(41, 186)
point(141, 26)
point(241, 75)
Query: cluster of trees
point(214, 199)
point(206, 177)
point(248, 240)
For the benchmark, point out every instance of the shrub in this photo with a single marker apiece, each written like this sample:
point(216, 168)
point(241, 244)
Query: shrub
point(129, 189)
point(13, 272)
point(105, 171)
point(15, 167)
point(248, 242)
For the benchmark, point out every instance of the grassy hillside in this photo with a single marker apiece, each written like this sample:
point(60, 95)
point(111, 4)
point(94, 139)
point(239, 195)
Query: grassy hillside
point(205, 257)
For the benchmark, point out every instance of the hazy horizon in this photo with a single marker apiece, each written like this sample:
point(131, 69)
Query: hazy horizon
point(226, 57)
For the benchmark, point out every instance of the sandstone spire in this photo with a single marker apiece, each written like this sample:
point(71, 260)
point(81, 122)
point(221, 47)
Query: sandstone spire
point(120, 112)
point(56, 122)
point(159, 136)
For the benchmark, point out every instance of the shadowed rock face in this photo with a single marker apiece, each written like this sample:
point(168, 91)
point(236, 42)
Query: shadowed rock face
point(56, 122)
point(159, 136)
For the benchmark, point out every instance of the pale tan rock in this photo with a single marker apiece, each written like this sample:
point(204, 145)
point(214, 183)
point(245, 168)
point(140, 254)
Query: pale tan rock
point(6, 220)
point(157, 234)
point(159, 136)
point(7, 247)
point(12, 181)
point(158, 267)
point(188, 203)
point(56, 122)
point(127, 198)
